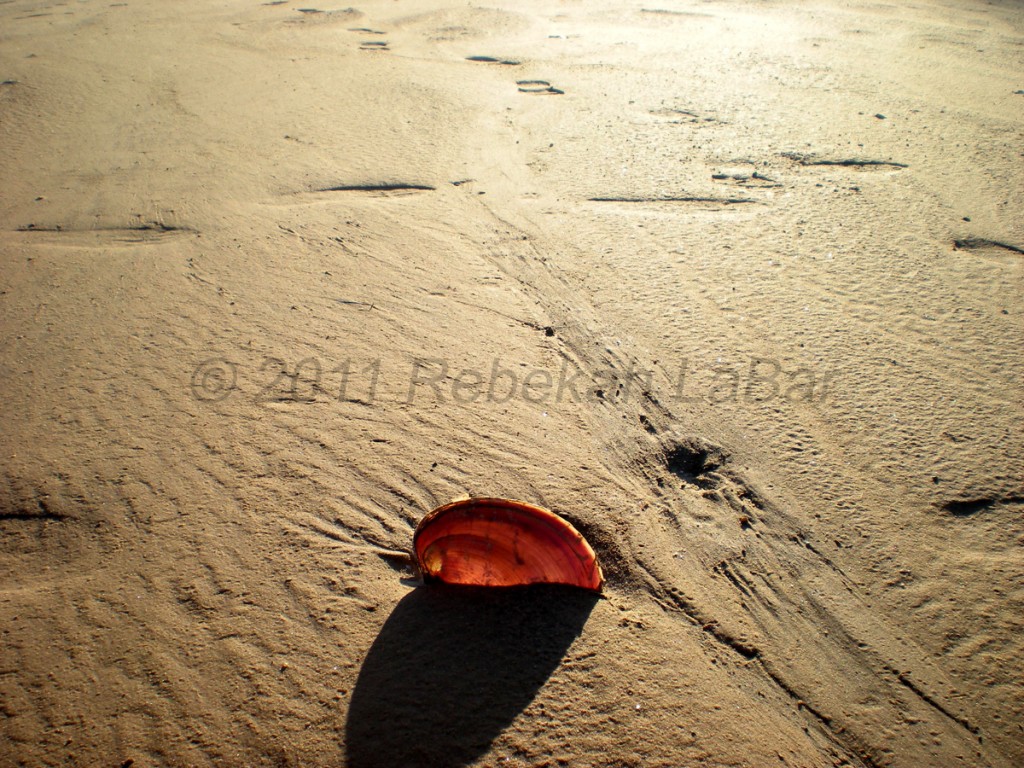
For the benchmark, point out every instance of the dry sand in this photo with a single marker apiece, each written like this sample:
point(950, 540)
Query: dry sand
point(736, 287)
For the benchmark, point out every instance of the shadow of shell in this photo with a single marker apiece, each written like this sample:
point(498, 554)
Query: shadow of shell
point(453, 666)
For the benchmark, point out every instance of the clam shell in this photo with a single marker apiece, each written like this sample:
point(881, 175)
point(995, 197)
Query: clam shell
point(503, 543)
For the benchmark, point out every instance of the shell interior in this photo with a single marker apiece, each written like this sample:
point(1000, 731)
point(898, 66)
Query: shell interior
point(503, 543)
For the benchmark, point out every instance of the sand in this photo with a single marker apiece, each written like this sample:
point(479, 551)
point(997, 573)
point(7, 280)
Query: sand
point(735, 287)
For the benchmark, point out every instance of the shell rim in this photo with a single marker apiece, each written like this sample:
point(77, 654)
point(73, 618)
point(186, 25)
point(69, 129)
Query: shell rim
point(515, 504)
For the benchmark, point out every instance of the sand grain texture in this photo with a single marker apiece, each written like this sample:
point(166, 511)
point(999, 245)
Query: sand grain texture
point(735, 287)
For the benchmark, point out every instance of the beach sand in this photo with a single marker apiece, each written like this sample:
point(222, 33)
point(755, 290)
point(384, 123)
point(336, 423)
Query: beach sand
point(735, 287)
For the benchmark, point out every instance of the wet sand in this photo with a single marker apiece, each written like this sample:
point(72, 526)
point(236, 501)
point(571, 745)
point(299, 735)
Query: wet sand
point(735, 287)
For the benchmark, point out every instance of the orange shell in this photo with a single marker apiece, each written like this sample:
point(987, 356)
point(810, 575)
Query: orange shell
point(503, 543)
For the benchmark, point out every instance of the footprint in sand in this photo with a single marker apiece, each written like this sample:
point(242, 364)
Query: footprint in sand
point(856, 163)
point(493, 60)
point(144, 232)
point(700, 202)
point(538, 86)
point(377, 189)
point(370, 45)
point(992, 249)
point(677, 116)
point(318, 16)
point(743, 176)
point(39, 517)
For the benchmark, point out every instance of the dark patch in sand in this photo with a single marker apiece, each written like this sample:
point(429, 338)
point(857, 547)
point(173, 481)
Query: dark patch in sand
point(981, 243)
point(970, 507)
point(537, 86)
point(454, 667)
point(694, 459)
point(683, 199)
point(848, 162)
point(493, 60)
point(377, 188)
